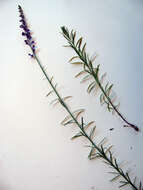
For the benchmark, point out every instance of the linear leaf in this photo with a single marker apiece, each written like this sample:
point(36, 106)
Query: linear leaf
point(87, 77)
point(95, 156)
point(77, 63)
point(108, 149)
point(92, 132)
point(101, 98)
point(124, 184)
point(89, 124)
point(49, 93)
point(127, 174)
point(66, 119)
point(66, 46)
point(115, 178)
point(80, 73)
point(73, 35)
point(134, 180)
point(67, 97)
point(108, 91)
point(83, 48)
point(111, 156)
point(75, 57)
point(102, 142)
point(93, 58)
point(115, 173)
point(56, 85)
point(78, 44)
point(78, 113)
point(91, 86)
point(51, 79)
point(102, 78)
point(55, 101)
point(97, 70)
point(91, 152)
point(68, 122)
point(77, 135)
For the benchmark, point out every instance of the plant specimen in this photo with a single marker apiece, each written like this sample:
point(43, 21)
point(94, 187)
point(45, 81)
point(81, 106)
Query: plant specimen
point(86, 130)
point(90, 71)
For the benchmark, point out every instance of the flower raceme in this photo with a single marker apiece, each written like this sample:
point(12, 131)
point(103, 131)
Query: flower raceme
point(26, 32)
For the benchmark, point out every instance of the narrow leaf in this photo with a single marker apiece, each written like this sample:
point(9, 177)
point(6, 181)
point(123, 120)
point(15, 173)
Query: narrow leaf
point(77, 63)
point(79, 42)
point(92, 132)
point(83, 48)
point(73, 35)
point(80, 73)
point(78, 113)
point(115, 173)
point(66, 119)
point(69, 122)
point(89, 124)
point(51, 79)
point(115, 178)
point(102, 142)
point(49, 93)
point(97, 71)
point(75, 57)
point(91, 86)
point(67, 97)
point(108, 91)
point(124, 184)
point(91, 152)
point(77, 135)
point(108, 149)
point(55, 101)
point(102, 78)
point(87, 77)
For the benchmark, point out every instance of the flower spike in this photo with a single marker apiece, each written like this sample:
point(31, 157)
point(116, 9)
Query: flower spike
point(26, 32)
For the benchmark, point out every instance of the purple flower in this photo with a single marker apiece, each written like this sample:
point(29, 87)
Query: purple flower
point(26, 32)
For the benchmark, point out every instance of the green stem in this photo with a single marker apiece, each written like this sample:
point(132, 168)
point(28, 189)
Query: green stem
point(103, 155)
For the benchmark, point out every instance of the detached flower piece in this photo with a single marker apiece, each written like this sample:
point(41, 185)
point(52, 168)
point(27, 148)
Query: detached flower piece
point(26, 32)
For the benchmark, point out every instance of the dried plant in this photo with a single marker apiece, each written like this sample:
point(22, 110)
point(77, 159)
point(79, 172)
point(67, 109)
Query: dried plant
point(90, 72)
point(86, 130)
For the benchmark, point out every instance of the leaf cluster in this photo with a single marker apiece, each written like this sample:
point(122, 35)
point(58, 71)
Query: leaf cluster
point(89, 71)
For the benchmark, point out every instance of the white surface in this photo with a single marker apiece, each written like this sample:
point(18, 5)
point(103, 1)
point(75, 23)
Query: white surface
point(36, 152)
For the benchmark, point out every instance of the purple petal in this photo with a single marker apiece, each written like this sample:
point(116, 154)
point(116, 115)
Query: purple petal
point(23, 34)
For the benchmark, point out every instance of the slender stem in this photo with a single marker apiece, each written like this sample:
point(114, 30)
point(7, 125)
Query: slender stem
point(102, 154)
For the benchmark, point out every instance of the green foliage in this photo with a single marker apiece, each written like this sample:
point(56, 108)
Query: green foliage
point(98, 150)
point(92, 73)
point(87, 130)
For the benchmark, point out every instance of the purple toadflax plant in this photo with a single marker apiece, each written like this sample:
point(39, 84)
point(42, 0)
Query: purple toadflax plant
point(97, 149)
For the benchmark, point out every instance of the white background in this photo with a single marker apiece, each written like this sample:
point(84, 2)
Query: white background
point(36, 152)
